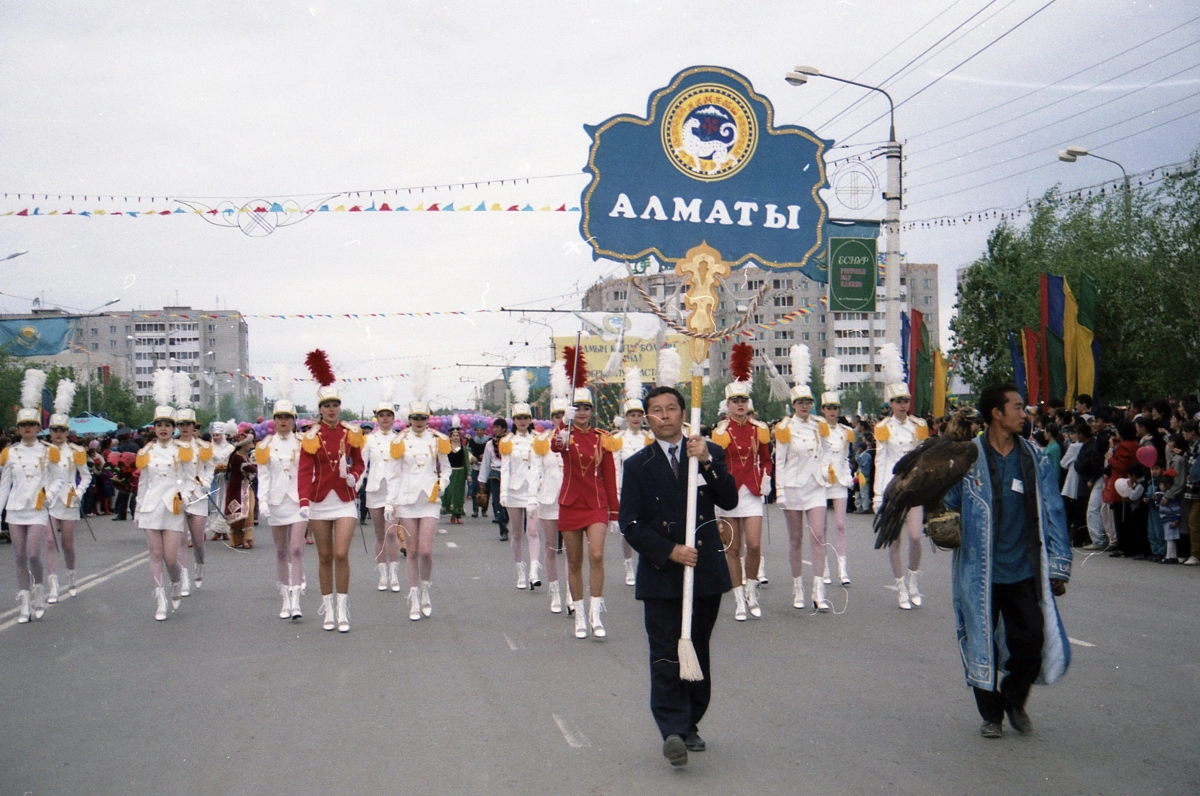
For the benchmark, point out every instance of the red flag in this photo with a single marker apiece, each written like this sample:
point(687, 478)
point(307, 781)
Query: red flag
point(1032, 366)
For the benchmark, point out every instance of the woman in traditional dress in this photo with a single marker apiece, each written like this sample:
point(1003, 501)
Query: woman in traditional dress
point(331, 463)
point(746, 442)
point(239, 492)
point(587, 500)
point(68, 478)
point(278, 460)
point(23, 495)
point(518, 484)
point(424, 472)
point(460, 460)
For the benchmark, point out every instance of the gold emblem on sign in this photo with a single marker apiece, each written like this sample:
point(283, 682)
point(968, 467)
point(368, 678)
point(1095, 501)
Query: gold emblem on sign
point(709, 132)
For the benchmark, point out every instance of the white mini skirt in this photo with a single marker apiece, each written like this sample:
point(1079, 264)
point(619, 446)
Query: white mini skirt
point(547, 511)
point(378, 498)
point(286, 513)
point(836, 492)
point(159, 518)
point(63, 513)
point(803, 498)
point(749, 505)
point(331, 508)
point(421, 509)
point(28, 517)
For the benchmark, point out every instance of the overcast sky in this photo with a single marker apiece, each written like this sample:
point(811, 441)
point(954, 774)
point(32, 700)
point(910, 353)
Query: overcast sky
point(237, 101)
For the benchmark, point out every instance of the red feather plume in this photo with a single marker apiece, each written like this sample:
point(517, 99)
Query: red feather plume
point(319, 367)
point(739, 361)
point(576, 367)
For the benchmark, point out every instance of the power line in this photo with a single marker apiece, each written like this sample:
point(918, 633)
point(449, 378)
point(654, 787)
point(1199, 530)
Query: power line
point(957, 66)
point(1077, 93)
point(1138, 115)
point(920, 55)
point(1052, 163)
point(1080, 113)
point(1055, 83)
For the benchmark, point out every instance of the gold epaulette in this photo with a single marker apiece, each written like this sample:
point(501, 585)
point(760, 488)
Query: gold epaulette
point(310, 443)
point(850, 435)
point(206, 451)
point(922, 429)
point(783, 432)
point(823, 427)
point(185, 452)
point(764, 433)
point(610, 443)
point(882, 432)
point(262, 451)
point(4, 457)
point(648, 440)
point(354, 435)
point(505, 445)
point(54, 454)
point(397, 448)
point(541, 445)
point(143, 458)
point(720, 434)
point(443, 445)
point(80, 456)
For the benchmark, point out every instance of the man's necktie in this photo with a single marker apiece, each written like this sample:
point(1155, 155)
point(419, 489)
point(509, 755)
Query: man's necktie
point(674, 451)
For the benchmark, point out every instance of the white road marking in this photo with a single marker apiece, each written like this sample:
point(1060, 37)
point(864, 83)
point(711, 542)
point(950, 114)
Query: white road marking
point(512, 645)
point(116, 569)
point(441, 530)
point(575, 738)
point(451, 544)
point(1079, 643)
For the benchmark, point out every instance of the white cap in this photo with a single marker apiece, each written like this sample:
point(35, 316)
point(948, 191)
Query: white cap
point(558, 405)
point(164, 413)
point(634, 405)
point(801, 392)
point(737, 388)
point(385, 406)
point(29, 416)
point(185, 416)
point(418, 408)
point(582, 395)
point(896, 390)
point(521, 409)
point(830, 398)
point(283, 407)
point(60, 421)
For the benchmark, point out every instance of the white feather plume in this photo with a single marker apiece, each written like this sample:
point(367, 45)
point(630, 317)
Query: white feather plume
point(387, 391)
point(518, 382)
point(164, 387)
point(779, 386)
point(64, 397)
point(229, 429)
point(831, 374)
point(633, 384)
point(283, 383)
point(182, 389)
point(31, 388)
point(893, 365)
point(456, 422)
point(801, 365)
point(670, 366)
point(613, 366)
point(419, 381)
point(560, 385)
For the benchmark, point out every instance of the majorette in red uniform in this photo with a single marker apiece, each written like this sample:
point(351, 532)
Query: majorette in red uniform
point(331, 463)
point(588, 498)
point(748, 457)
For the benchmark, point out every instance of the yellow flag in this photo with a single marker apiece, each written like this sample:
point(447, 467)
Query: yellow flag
point(941, 377)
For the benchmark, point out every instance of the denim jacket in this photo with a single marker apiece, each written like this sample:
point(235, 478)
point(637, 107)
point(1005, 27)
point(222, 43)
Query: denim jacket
point(972, 571)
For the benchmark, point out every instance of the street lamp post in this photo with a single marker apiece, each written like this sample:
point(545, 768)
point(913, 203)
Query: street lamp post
point(1074, 153)
point(798, 77)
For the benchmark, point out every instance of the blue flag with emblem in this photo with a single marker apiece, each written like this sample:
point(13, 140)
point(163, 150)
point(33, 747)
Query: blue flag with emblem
point(36, 337)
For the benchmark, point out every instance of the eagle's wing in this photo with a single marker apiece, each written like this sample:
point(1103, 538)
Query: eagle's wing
point(930, 473)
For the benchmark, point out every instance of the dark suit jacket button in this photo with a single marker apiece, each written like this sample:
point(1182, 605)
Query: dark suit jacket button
point(664, 524)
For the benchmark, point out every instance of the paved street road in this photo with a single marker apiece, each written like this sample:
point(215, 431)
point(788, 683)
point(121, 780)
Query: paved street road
point(494, 695)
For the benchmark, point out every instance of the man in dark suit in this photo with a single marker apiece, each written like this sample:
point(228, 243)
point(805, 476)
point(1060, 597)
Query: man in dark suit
point(653, 518)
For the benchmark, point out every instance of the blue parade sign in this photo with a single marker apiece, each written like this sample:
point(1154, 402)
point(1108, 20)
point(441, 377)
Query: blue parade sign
point(707, 164)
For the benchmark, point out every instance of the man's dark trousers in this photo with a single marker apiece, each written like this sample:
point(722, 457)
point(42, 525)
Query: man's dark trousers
point(1024, 628)
point(678, 705)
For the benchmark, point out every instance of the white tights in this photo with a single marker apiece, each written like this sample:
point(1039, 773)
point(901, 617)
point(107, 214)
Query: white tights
point(66, 529)
point(518, 528)
point(289, 550)
point(912, 526)
point(27, 545)
point(420, 535)
point(387, 540)
point(195, 526)
point(164, 549)
point(816, 539)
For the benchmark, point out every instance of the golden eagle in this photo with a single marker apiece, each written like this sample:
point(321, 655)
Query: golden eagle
point(924, 475)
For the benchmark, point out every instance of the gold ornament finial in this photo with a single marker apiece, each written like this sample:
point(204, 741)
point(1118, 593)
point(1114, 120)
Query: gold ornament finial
point(703, 269)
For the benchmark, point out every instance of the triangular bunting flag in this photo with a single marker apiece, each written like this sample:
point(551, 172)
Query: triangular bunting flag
point(482, 206)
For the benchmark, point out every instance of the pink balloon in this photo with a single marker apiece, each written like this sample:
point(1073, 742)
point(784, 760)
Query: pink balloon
point(1147, 455)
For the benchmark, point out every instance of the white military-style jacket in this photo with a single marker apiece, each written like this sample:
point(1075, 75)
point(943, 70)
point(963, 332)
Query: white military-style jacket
point(23, 476)
point(838, 441)
point(550, 468)
point(424, 466)
point(893, 439)
point(161, 479)
point(631, 443)
point(799, 453)
point(197, 469)
point(382, 467)
point(278, 460)
point(66, 465)
point(518, 471)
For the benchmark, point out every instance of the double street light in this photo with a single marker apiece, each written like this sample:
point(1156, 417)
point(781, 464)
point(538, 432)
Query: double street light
point(798, 77)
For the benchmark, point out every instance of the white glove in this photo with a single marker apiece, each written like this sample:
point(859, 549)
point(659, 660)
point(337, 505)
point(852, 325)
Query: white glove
point(389, 513)
point(443, 482)
point(264, 510)
point(569, 416)
point(304, 513)
point(765, 486)
point(352, 481)
point(564, 435)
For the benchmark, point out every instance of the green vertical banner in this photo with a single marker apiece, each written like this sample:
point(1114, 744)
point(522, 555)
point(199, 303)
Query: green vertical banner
point(853, 272)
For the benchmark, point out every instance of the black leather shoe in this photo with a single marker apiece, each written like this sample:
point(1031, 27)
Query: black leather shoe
point(675, 750)
point(1019, 720)
point(694, 742)
point(992, 729)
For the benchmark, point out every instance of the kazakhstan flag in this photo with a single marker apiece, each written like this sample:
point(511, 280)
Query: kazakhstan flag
point(37, 337)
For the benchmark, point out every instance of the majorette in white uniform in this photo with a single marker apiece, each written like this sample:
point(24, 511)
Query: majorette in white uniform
point(893, 439)
point(23, 493)
point(160, 486)
point(631, 442)
point(801, 476)
point(424, 470)
point(67, 478)
point(519, 472)
point(383, 468)
point(278, 460)
point(222, 449)
point(839, 439)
